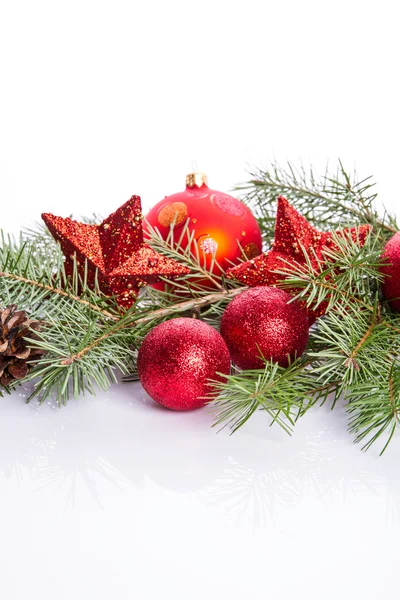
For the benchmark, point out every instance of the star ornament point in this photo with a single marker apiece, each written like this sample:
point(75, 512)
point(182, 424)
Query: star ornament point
point(114, 251)
point(293, 235)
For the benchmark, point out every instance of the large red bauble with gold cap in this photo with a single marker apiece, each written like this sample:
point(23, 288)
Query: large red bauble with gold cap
point(225, 229)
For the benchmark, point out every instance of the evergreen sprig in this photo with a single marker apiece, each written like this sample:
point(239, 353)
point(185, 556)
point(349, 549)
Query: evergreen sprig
point(285, 394)
point(346, 272)
point(327, 202)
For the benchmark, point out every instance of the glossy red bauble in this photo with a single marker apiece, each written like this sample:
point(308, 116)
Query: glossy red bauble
point(176, 360)
point(260, 322)
point(222, 224)
point(391, 271)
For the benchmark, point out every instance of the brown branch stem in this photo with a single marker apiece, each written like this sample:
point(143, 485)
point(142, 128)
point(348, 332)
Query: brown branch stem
point(351, 359)
point(187, 305)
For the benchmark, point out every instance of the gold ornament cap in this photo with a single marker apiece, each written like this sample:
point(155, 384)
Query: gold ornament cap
point(196, 180)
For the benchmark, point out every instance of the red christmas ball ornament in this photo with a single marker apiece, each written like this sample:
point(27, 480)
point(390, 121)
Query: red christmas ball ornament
point(259, 321)
point(391, 271)
point(176, 360)
point(224, 227)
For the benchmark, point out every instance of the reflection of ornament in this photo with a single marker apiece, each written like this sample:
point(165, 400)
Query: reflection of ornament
point(115, 248)
point(224, 227)
point(176, 360)
point(293, 233)
point(260, 322)
point(391, 271)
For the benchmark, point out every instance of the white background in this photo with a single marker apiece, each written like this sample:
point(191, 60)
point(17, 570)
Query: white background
point(113, 497)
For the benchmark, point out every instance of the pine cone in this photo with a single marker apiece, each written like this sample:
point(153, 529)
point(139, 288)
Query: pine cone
point(15, 332)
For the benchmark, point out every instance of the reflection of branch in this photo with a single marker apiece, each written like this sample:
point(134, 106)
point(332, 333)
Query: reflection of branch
point(87, 471)
point(254, 480)
point(261, 493)
point(13, 469)
point(19, 457)
point(242, 490)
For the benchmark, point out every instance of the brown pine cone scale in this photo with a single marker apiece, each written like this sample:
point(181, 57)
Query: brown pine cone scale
point(16, 331)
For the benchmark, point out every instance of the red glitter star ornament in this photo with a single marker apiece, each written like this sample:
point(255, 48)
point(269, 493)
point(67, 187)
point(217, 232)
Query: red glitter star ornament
point(292, 233)
point(115, 250)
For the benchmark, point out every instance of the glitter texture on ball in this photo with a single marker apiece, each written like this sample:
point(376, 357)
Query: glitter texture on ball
point(260, 322)
point(176, 360)
point(391, 271)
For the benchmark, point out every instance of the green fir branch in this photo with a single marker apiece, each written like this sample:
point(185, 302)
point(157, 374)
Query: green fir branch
point(374, 406)
point(285, 394)
point(35, 279)
point(346, 273)
point(327, 202)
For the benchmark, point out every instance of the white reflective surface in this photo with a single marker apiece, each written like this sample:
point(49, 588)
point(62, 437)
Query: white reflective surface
point(114, 497)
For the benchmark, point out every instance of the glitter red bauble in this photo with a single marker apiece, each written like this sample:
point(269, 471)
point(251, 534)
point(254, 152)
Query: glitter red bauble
point(222, 224)
point(176, 360)
point(391, 271)
point(259, 321)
